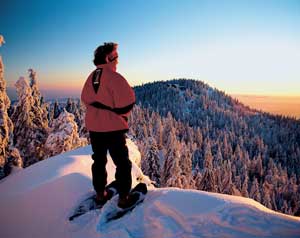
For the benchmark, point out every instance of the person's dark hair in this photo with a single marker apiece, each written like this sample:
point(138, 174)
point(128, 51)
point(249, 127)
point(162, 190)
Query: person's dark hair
point(102, 51)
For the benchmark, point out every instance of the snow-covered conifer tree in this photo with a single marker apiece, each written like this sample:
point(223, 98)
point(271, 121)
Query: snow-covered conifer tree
point(171, 170)
point(36, 95)
point(63, 135)
point(30, 120)
point(5, 122)
point(266, 195)
point(228, 187)
point(69, 106)
point(198, 137)
point(168, 126)
point(14, 161)
point(41, 108)
point(209, 181)
point(56, 110)
point(185, 164)
point(9, 156)
point(244, 191)
point(208, 158)
point(197, 178)
point(142, 132)
point(254, 192)
point(227, 149)
point(219, 158)
point(245, 179)
point(151, 163)
point(158, 130)
point(259, 167)
point(81, 125)
point(196, 158)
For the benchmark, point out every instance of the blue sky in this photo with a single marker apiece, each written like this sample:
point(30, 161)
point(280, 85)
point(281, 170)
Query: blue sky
point(245, 47)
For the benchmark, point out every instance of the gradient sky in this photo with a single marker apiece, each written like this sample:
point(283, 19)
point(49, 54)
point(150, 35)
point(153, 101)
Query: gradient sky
point(240, 47)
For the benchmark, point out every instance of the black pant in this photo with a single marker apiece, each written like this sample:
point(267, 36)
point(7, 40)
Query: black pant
point(115, 143)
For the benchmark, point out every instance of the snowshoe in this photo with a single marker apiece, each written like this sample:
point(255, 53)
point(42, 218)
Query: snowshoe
point(136, 196)
point(91, 203)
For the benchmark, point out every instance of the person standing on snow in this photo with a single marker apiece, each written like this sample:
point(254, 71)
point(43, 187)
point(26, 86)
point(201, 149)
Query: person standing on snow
point(108, 99)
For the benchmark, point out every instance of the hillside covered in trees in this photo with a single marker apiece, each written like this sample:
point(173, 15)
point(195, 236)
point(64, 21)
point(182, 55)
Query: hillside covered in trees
point(229, 147)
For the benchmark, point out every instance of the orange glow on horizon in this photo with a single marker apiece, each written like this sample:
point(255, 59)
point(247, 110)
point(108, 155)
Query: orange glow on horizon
point(279, 105)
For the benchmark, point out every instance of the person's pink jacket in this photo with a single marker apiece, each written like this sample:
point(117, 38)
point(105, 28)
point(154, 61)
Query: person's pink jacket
point(114, 92)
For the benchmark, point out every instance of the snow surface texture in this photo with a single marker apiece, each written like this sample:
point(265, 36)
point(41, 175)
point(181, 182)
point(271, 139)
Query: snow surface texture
point(37, 201)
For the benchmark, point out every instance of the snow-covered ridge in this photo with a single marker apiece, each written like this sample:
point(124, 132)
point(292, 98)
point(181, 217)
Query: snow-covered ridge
point(36, 202)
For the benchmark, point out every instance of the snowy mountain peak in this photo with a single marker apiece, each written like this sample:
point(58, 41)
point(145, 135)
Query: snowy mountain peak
point(36, 202)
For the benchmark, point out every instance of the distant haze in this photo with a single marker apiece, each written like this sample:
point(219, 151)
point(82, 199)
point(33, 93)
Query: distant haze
point(279, 105)
point(48, 94)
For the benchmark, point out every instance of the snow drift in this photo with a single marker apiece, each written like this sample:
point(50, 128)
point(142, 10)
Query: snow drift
point(36, 202)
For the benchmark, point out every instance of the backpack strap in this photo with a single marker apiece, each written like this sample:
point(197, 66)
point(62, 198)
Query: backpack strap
point(96, 79)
